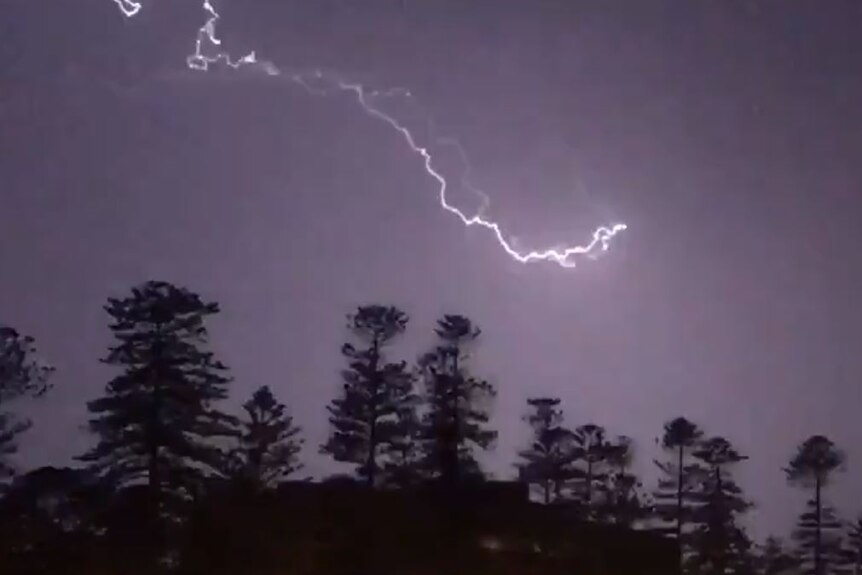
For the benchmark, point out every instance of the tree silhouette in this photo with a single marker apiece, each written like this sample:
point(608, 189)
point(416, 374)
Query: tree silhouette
point(812, 466)
point(773, 558)
point(401, 443)
point(374, 393)
point(21, 374)
point(818, 537)
point(592, 450)
point(853, 552)
point(720, 543)
point(624, 503)
point(547, 463)
point(673, 498)
point(269, 442)
point(457, 415)
point(156, 417)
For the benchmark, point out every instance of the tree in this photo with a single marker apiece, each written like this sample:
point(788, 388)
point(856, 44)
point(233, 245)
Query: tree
point(624, 503)
point(374, 393)
point(720, 544)
point(773, 558)
point(674, 501)
point(21, 374)
point(548, 462)
point(269, 442)
point(812, 467)
point(853, 553)
point(401, 444)
point(156, 418)
point(455, 421)
point(592, 451)
point(818, 537)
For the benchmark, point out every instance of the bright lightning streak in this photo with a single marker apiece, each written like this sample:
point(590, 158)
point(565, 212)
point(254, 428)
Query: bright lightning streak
point(129, 8)
point(601, 237)
point(319, 83)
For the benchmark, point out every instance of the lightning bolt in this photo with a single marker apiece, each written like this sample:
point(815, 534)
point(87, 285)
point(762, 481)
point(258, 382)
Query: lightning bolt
point(320, 83)
point(129, 8)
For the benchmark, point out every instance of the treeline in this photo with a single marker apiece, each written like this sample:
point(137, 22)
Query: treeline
point(162, 442)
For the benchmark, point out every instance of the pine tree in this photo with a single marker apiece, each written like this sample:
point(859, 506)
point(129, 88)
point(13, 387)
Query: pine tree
point(455, 422)
point(624, 504)
point(591, 474)
point(812, 466)
point(854, 547)
point(374, 394)
point(547, 464)
point(818, 537)
point(402, 434)
point(269, 442)
point(741, 552)
point(21, 374)
point(674, 500)
point(773, 558)
point(155, 422)
point(720, 544)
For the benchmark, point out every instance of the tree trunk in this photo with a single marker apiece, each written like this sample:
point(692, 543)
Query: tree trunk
point(621, 496)
point(679, 480)
point(154, 439)
point(818, 568)
point(371, 463)
point(154, 478)
point(456, 420)
point(721, 543)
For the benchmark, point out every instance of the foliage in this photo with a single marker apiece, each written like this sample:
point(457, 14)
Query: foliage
point(812, 466)
point(548, 462)
point(156, 419)
point(591, 471)
point(819, 539)
point(624, 502)
point(269, 442)
point(675, 497)
point(369, 417)
point(719, 543)
point(853, 547)
point(21, 374)
point(401, 443)
point(773, 558)
point(455, 423)
point(814, 462)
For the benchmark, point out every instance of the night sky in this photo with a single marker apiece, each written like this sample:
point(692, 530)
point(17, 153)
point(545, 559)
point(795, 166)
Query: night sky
point(727, 135)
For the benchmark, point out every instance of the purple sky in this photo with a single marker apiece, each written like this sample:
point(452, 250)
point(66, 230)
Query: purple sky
point(726, 134)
